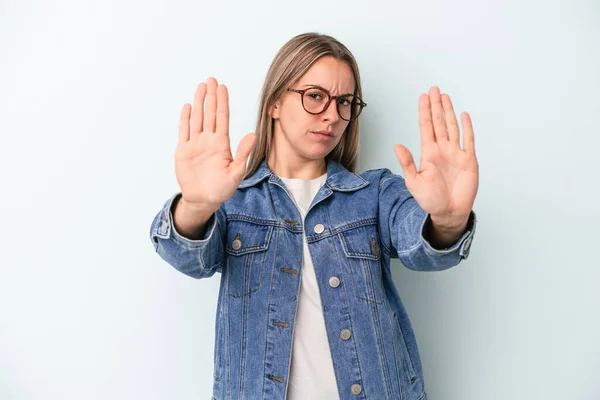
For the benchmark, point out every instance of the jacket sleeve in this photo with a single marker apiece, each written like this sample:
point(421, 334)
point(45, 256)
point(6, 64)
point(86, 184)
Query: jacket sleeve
point(196, 258)
point(403, 226)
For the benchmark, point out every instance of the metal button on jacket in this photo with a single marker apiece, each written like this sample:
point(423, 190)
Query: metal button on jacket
point(236, 244)
point(334, 281)
point(345, 334)
point(319, 228)
point(356, 389)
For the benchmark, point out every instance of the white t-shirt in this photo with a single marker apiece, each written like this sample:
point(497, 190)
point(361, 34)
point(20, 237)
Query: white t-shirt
point(311, 372)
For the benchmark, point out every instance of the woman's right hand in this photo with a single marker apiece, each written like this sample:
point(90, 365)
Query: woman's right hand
point(206, 172)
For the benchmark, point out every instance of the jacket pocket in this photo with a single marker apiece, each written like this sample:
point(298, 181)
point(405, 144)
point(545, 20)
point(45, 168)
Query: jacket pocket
point(363, 252)
point(246, 248)
point(402, 354)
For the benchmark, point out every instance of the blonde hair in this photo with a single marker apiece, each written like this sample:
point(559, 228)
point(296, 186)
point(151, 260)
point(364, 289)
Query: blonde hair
point(290, 63)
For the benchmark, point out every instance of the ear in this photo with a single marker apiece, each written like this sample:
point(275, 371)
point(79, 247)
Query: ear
point(274, 111)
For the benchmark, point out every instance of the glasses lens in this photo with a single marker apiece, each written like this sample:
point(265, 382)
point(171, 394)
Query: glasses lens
point(315, 100)
point(349, 107)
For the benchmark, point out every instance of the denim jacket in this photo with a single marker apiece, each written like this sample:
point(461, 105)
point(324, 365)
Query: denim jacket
point(354, 226)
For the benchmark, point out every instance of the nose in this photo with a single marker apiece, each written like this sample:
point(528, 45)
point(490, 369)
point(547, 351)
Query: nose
point(331, 114)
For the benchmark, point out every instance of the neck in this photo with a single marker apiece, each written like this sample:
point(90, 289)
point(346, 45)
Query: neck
point(296, 167)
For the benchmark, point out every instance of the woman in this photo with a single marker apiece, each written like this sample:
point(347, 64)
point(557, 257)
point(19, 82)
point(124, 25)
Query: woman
point(307, 308)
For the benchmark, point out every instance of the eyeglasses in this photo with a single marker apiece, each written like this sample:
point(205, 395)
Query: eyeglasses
point(315, 100)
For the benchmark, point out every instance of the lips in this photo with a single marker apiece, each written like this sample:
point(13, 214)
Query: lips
point(327, 133)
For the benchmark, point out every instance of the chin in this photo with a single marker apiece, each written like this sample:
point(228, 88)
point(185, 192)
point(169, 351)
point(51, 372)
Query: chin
point(317, 154)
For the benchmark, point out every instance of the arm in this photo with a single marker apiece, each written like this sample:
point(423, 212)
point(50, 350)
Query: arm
point(441, 192)
point(198, 258)
point(406, 229)
point(193, 239)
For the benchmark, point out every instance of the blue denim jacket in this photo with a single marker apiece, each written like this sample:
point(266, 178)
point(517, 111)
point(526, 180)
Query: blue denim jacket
point(354, 226)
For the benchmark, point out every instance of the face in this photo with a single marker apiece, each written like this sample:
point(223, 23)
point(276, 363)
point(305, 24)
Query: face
point(295, 131)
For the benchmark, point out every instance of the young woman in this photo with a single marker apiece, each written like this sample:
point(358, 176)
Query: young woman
point(307, 308)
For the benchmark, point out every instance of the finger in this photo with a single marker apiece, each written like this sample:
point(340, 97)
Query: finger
point(242, 153)
point(406, 161)
point(453, 128)
point(425, 120)
point(439, 125)
point(184, 123)
point(222, 110)
point(469, 135)
point(210, 110)
point(198, 109)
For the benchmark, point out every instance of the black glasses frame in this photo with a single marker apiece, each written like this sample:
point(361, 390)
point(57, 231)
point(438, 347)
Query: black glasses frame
point(337, 99)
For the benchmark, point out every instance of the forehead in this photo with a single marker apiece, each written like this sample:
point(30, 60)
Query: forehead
point(330, 73)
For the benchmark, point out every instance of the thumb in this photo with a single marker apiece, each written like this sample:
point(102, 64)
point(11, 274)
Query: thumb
point(406, 161)
point(243, 151)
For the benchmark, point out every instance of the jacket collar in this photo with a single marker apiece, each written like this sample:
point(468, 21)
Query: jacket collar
point(338, 177)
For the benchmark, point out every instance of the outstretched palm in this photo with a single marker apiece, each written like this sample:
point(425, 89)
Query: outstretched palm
point(448, 177)
point(204, 166)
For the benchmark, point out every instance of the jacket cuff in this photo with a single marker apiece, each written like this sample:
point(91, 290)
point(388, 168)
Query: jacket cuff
point(164, 228)
point(462, 246)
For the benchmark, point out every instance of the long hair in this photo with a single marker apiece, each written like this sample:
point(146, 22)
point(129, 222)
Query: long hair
point(290, 63)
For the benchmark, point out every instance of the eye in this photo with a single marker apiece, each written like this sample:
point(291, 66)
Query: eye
point(344, 101)
point(316, 95)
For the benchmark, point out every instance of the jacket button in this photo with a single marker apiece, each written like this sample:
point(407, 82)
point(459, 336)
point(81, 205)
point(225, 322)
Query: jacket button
point(356, 389)
point(345, 334)
point(236, 244)
point(319, 228)
point(334, 281)
point(374, 247)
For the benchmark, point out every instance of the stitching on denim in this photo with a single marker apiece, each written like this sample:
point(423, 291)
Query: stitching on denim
point(410, 249)
point(250, 218)
point(354, 278)
point(376, 323)
point(268, 313)
point(395, 344)
point(357, 254)
point(342, 228)
point(347, 307)
point(412, 371)
point(247, 265)
point(264, 222)
point(251, 249)
point(369, 281)
point(244, 338)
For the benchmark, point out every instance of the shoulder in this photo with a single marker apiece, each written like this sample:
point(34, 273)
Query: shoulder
point(381, 176)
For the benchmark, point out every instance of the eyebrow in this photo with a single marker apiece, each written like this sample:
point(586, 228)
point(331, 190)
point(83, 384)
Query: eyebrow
point(321, 87)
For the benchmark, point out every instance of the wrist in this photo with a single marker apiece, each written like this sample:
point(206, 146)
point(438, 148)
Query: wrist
point(197, 209)
point(450, 223)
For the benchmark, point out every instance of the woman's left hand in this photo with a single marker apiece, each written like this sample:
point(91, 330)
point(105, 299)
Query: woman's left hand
point(446, 183)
